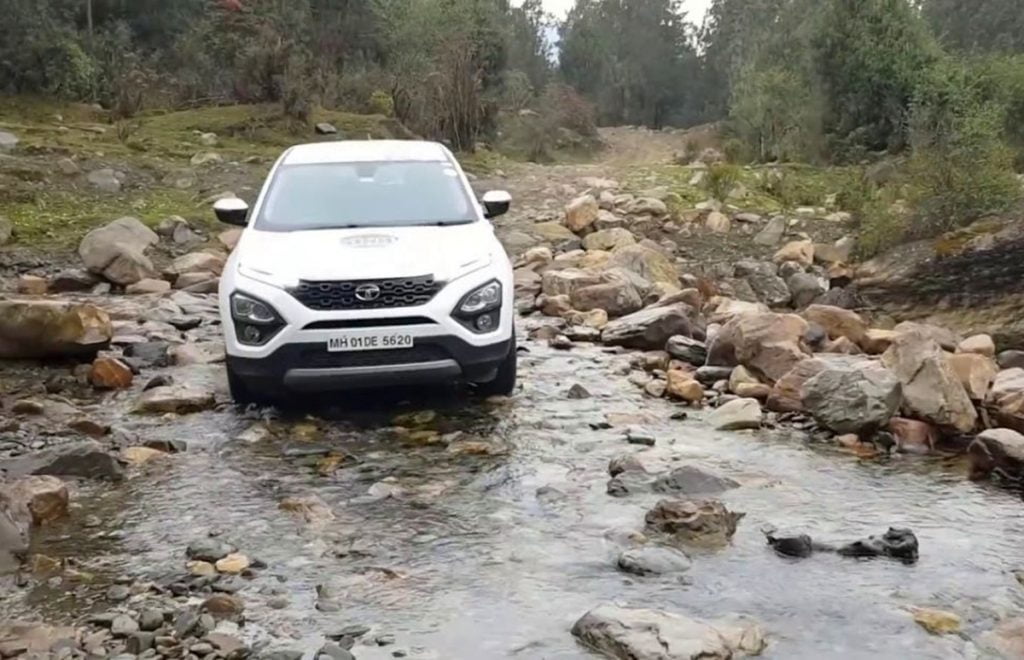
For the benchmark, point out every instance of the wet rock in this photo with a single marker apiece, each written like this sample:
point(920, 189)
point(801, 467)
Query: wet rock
point(651, 328)
point(680, 385)
point(577, 391)
point(140, 642)
point(311, 508)
point(980, 344)
point(89, 427)
point(109, 373)
point(691, 351)
point(232, 564)
point(800, 545)
point(140, 455)
point(937, 622)
point(198, 568)
point(224, 606)
point(44, 498)
point(625, 463)
point(931, 389)
point(637, 634)
point(117, 251)
point(639, 437)
point(768, 344)
point(787, 394)
point(333, 652)
point(744, 384)
point(895, 543)
point(118, 592)
point(1007, 638)
point(86, 459)
point(175, 399)
point(653, 560)
point(199, 353)
point(913, 436)
point(690, 480)
point(736, 415)
point(149, 354)
point(580, 213)
point(1011, 360)
point(209, 549)
point(72, 280)
point(52, 328)
point(651, 265)
point(1005, 399)
point(999, 452)
point(226, 645)
point(712, 375)
point(699, 522)
point(852, 396)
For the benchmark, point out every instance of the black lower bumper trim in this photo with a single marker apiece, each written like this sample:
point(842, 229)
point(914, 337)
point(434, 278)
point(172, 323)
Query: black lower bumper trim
point(309, 367)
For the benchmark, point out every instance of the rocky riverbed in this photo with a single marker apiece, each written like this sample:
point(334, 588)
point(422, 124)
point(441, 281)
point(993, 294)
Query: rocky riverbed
point(684, 419)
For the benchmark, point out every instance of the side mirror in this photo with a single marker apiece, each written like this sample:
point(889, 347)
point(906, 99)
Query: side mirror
point(232, 211)
point(496, 202)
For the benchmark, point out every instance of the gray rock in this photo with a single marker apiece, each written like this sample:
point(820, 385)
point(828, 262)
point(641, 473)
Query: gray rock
point(151, 619)
point(853, 396)
point(140, 642)
point(323, 128)
point(149, 354)
point(651, 328)
point(999, 452)
point(762, 276)
point(123, 625)
point(86, 459)
point(577, 391)
point(73, 280)
point(638, 634)
point(736, 415)
point(805, 288)
point(654, 560)
point(932, 391)
point(106, 180)
point(689, 480)
point(691, 351)
point(209, 549)
point(334, 652)
point(281, 655)
point(772, 232)
point(710, 375)
point(8, 142)
point(1011, 359)
point(117, 251)
point(625, 463)
point(118, 593)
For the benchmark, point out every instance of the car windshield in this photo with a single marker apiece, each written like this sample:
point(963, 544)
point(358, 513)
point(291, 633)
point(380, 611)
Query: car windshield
point(365, 194)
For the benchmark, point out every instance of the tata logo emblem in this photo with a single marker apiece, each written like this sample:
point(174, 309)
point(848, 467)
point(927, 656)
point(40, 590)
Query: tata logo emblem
point(368, 240)
point(367, 292)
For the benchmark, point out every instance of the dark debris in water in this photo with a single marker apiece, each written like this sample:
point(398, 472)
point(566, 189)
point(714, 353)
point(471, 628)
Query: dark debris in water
point(895, 543)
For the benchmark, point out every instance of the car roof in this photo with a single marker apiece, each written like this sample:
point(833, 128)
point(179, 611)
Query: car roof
point(362, 151)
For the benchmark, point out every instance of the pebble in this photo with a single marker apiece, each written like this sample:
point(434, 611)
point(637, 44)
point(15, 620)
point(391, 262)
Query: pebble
point(151, 619)
point(118, 593)
point(233, 564)
point(202, 648)
point(210, 550)
point(640, 438)
point(123, 625)
point(278, 602)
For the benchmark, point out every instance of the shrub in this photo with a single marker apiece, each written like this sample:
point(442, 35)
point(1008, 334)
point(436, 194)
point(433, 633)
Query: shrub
point(883, 223)
point(721, 179)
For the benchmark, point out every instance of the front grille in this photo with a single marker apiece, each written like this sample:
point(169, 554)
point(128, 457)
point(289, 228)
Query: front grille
point(341, 295)
point(369, 323)
point(317, 357)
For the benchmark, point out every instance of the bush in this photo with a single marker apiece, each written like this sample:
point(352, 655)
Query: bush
point(775, 115)
point(883, 223)
point(721, 179)
point(960, 169)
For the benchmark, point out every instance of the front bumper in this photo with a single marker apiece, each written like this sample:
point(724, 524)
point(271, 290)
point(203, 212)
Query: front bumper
point(309, 367)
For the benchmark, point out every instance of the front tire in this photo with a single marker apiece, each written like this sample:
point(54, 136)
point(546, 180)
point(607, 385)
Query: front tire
point(504, 383)
point(242, 393)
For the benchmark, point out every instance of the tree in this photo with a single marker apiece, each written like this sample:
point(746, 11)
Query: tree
point(978, 26)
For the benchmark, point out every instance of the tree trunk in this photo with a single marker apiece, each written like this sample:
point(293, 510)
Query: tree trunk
point(88, 19)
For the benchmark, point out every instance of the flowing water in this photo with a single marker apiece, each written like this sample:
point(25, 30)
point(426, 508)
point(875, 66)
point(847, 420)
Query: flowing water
point(465, 556)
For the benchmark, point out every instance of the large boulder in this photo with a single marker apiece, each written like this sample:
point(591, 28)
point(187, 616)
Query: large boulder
point(853, 395)
point(568, 281)
point(689, 350)
point(196, 262)
point(763, 278)
point(975, 371)
point(85, 459)
point(52, 328)
point(652, 265)
point(931, 389)
point(787, 393)
point(580, 213)
point(722, 309)
point(980, 344)
point(618, 298)
point(698, 522)
point(766, 343)
point(117, 251)
point(999, 452)
point(43, 498)
point(838, 322)
point(1005, 399)
point(638, 634)
point(801, 252)
point(556, 235)
point(944, 337)
point(651, 328)
point(805, 288)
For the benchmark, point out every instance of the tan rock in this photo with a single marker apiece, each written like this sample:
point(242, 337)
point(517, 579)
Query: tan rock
point(140, 455)
point(718, 222)
point(594, 260)
point(722, 310)
point(681, 385)
point(788, 392)
point(200, 568)
point(838, 322)
point(975, 371)
point(223, 606)
point(1007, 638)
point(768, 344)
point(801, 252)
point(310, 508)
point(608, 239)
point(652, 265)
point(1006, 398)
point(565, 282)
point(539, 255)
point(877, 341)
point(50, 328)
point(44, 498)
point(913, 436)
point(595, 318)
point(199, 262)
point(931, 389)
point(842, 346)
point(617, 298)
point(229, 238)
point(944, 337)
point(580, 213)
point(109, 373)
point(32, 285)
point(148, 285)
point(742, 376)
point(980, 344)
point(937, 622)
point(554, 305)
point(233, 564)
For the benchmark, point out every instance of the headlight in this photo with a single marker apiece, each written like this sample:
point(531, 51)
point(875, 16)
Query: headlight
point(251, 310)
point(482, 299)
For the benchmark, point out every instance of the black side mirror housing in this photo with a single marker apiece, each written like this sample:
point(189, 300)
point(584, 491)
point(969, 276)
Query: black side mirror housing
point(232, 211)
point(495, 203)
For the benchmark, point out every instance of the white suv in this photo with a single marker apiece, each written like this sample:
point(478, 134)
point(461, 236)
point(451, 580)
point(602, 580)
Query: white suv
point(366, 264)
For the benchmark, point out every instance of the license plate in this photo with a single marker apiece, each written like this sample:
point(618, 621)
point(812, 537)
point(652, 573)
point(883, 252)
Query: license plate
point(370, 340)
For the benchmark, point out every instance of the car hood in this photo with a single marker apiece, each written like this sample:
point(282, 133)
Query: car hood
point(284, 258)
